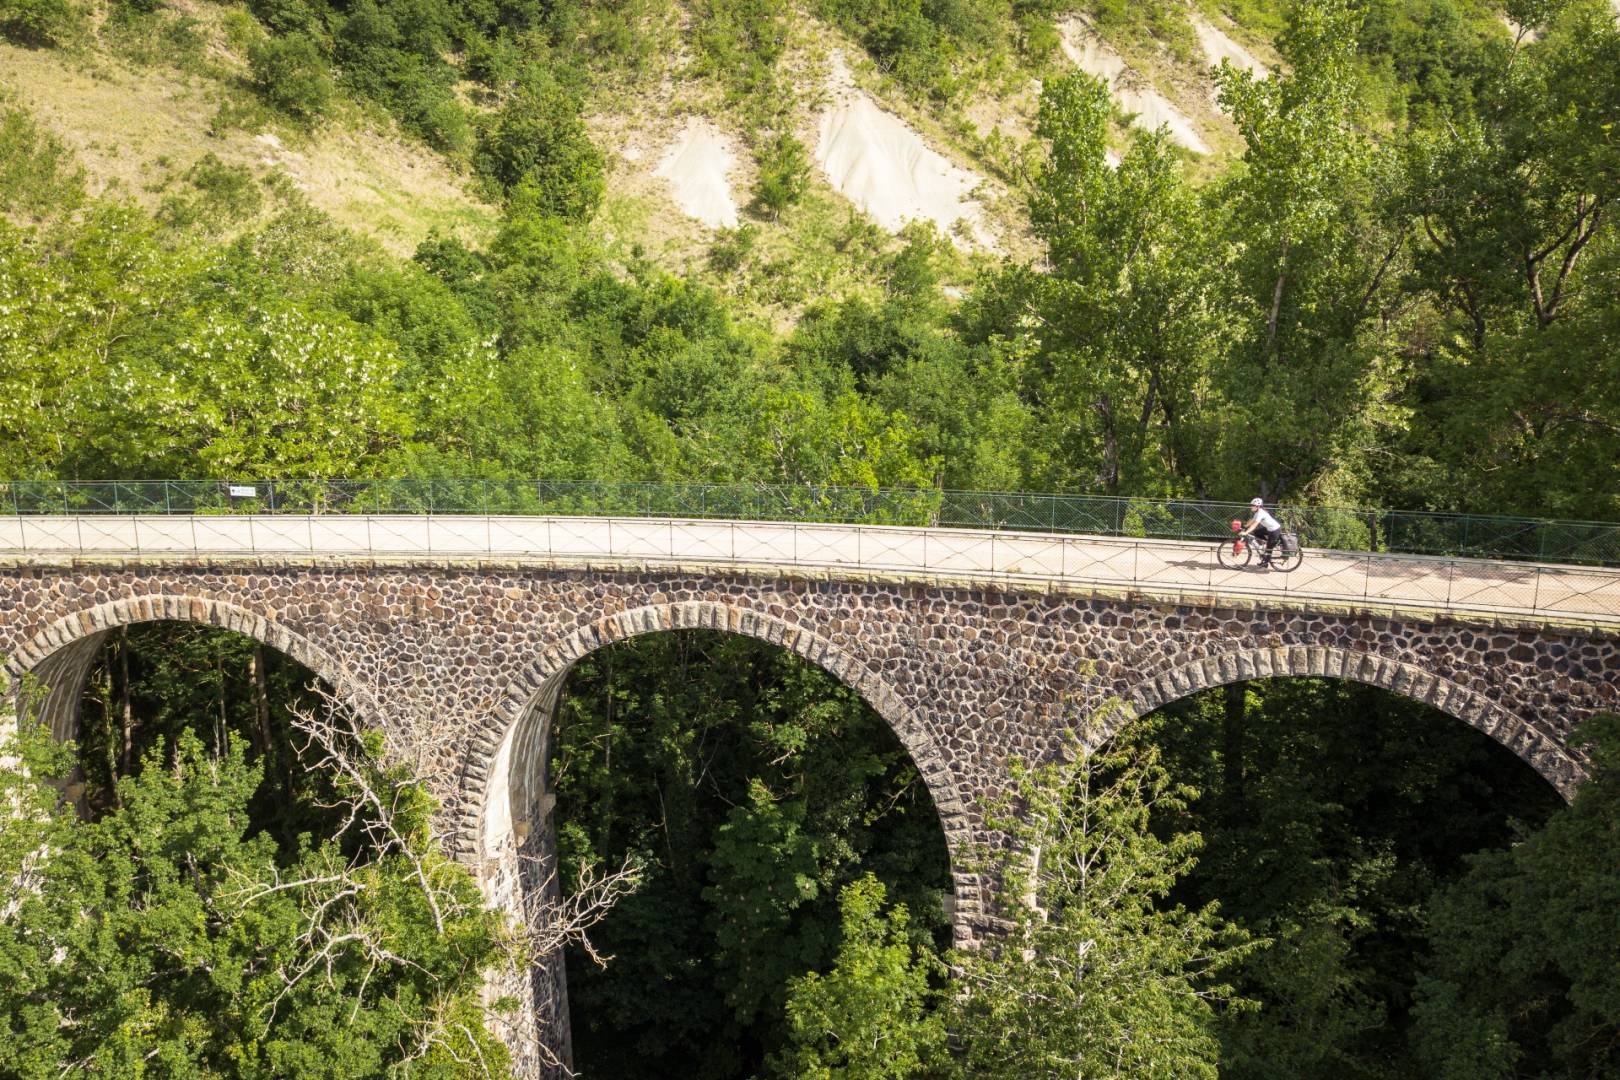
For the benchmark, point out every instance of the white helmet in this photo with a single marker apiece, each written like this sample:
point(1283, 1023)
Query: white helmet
point(1256, 502)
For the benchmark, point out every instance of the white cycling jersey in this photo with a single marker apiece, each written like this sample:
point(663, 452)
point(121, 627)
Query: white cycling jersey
point(1264, 522)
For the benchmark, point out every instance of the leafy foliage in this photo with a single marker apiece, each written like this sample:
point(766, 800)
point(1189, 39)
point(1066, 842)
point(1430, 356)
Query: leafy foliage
point(168, 934)
point(784, 172)
point(874, 1015)
point(1523, 972)
point(292, 75)
point(538, 153)
point(222, 196)
point(756, 788)
point(1096, 974)
point(1332, 812)
point(1405, 292)
point(41, 22)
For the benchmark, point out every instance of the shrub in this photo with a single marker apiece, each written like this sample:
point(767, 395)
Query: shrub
point(40, 23)
point(732, 248)
point(537, 152)
point(291, 73)
point(38, 176)
point(433, 112)
point(241, 29)
point(224, 195)
point(784, 173)
point(242, 111)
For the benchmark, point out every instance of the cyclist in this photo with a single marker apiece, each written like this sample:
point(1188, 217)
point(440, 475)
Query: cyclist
point(1262, 525)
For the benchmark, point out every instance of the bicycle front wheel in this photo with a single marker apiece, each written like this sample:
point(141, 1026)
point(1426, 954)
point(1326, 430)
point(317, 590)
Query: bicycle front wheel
point(1230, 557)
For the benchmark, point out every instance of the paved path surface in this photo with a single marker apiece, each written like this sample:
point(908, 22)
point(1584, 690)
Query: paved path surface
point(1158, 567)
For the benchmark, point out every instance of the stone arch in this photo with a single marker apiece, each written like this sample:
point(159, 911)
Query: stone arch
point(60, 655)
point(507, 805)
point(1533, 746)
point(524, 707)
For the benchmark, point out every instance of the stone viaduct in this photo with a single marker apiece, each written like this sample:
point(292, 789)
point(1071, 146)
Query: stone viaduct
point(969, 667)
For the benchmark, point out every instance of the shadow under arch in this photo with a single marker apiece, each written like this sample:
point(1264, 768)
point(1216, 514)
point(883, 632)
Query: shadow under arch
point(59, 657)
point(1543, 753)
point(514, 782)
point(507, 802)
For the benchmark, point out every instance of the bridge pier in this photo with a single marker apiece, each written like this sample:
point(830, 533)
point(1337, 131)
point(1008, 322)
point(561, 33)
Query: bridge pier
point(518, 867)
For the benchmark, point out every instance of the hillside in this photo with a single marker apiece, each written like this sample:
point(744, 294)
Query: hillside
point(140, 95)
point(682, 100)
point(138, 129)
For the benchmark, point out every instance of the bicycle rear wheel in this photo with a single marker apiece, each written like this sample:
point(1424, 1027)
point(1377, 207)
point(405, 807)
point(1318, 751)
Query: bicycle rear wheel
point(1287, 560)
point(1231, 558)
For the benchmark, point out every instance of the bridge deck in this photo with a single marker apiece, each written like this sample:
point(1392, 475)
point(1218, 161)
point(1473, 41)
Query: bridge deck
point(1157, 567)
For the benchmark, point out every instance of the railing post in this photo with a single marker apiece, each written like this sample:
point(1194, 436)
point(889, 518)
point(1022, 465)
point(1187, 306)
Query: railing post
point(1535, 597)
point(168, 504)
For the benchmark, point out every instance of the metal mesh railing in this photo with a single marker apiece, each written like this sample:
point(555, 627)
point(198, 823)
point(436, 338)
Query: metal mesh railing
point(1338, 528)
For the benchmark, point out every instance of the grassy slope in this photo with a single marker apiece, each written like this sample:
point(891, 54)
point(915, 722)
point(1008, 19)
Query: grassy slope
point(138, 129)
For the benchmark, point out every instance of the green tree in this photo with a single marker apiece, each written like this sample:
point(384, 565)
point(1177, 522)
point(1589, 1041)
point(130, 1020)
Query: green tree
point(73, 299)
point(166, 936)
point(1331, 811)
point(274, 389)
point(1113, 345)
point(784, 173)
point(1524, 971)
point(1097, 974)
point(1516, 251)
point(756, 787)
point(537, 152)
point(291, 73)
point(1313, 245)
point(875, 1014)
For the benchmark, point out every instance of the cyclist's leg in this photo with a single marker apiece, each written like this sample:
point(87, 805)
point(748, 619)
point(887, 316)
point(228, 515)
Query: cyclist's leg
point(1272, 537)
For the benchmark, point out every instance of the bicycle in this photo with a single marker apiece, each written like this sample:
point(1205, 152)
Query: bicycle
point(1242, 549)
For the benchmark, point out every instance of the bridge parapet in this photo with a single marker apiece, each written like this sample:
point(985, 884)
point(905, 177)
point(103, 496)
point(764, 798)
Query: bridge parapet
point(1164, 569)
